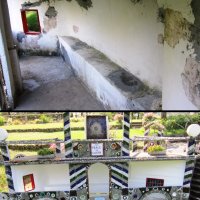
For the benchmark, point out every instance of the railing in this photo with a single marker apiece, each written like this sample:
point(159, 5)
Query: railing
point(169, 146)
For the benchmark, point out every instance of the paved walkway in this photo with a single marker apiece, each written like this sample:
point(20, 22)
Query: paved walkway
point(49, 84)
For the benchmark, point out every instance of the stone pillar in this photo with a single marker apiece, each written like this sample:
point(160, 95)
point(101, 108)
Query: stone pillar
point(126, 139)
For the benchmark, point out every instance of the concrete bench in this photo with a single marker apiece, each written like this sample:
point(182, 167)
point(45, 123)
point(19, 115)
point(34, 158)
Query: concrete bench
point(115, 87)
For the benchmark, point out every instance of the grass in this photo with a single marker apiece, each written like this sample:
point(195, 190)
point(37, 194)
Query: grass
point(33, 126)
point(51, 125)
point(3, 182)
point(117, 134)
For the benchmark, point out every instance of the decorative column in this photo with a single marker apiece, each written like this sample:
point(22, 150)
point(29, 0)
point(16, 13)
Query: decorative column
point(190, 164)
point(67, 136)
point(6, 157)
point(126, 139)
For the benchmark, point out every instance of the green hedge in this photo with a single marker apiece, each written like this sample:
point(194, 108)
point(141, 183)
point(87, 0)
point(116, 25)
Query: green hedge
point(27, 147)
point(180, 121)
point(46, 130)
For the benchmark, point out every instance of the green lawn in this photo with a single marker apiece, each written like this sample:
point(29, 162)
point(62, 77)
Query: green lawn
point(50, 125)
point(75, 135)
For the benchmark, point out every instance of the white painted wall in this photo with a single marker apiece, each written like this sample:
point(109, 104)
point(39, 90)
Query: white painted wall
point(171, 171)
point(47, 177)
point(126, 33)
point(98, 179)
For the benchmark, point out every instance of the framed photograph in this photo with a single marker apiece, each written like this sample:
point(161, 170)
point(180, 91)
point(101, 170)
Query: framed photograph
point(29, 183)
point(96, 127)
point(97, 149)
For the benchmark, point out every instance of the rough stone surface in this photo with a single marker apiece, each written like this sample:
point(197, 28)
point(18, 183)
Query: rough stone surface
point(51, 85)
point(195, 29)
point(191, 81)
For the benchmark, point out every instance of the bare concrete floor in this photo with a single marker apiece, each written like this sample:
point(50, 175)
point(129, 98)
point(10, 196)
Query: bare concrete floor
point(49, 84)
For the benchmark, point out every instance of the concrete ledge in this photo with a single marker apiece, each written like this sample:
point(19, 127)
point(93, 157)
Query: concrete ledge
point(115, 87)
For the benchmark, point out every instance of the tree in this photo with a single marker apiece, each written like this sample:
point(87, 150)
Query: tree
point(163, 115)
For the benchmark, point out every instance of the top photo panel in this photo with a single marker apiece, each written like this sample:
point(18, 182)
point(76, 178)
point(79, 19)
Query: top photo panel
point(99, 55)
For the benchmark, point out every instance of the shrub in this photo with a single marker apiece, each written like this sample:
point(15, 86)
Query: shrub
point(45, 151)
point(45, 119)
point(16, 122)
point(180, 121)
point(155, 148)
point(2, 121)
point(118, 117)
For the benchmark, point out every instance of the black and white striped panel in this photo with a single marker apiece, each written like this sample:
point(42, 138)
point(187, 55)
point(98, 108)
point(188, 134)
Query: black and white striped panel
point(126, 139)
point(6, 157)
point(67, 136)
point(119, 175)
point(78, 176)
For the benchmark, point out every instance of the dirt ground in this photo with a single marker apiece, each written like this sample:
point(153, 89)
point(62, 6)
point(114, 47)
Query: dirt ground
point(49, 84)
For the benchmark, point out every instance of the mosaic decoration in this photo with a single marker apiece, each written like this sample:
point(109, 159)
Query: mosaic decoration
point(78, 176)
point(96, 127)
point(112, 149)
point(126, 140)
point(83, 148)
point(6, 157)
point(67, 136)
point(119, 175)
point(161, 193)
point(115, 155)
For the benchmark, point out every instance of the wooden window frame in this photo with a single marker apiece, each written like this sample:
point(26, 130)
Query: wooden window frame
point(25, 24)
point(32, 182)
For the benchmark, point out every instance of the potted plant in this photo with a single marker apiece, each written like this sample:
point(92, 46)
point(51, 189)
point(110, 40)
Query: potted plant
point(155, 150)
point(46, 153)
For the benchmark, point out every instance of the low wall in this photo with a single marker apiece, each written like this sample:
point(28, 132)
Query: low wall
point(111, 84)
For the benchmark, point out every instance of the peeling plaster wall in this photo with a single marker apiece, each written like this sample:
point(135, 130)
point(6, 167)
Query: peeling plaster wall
point(181, 72)
point(129, 34)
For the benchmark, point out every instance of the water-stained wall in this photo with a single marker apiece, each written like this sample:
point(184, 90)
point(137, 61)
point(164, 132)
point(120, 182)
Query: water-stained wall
point(181, 74)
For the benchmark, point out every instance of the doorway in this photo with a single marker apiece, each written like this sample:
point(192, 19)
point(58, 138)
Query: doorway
point(99, 181)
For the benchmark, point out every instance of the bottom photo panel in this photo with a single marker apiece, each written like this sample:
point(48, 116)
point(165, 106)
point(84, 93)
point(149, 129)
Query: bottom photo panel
point(100, 155)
